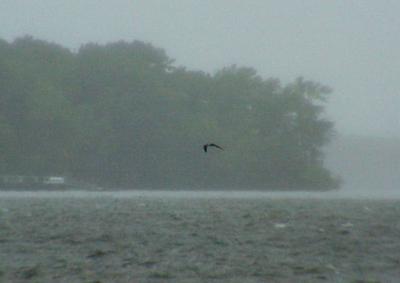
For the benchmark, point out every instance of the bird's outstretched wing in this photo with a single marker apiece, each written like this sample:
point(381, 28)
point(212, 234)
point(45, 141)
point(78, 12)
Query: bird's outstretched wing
point(205, 147)
point(215, 145)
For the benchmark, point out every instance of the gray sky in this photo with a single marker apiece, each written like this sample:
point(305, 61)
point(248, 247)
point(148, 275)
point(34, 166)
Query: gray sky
point(352, 46)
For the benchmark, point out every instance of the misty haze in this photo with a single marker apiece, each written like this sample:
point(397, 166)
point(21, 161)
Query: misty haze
point(199, 141)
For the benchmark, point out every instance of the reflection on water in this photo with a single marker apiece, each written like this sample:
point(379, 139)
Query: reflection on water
point(340, 194)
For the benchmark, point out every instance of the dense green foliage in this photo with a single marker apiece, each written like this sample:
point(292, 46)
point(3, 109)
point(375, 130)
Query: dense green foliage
point(122, 115)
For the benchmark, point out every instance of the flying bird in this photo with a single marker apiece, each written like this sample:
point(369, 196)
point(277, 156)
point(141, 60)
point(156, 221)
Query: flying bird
point(211, 144)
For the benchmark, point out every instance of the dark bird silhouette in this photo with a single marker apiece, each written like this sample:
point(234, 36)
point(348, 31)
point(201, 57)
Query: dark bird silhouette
point(211, 144)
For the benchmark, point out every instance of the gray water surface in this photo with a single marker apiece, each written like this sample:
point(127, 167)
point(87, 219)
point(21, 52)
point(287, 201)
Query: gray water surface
point(199, 236)
point(337, 194)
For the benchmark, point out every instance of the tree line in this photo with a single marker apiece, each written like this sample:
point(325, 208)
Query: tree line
point(123, 115)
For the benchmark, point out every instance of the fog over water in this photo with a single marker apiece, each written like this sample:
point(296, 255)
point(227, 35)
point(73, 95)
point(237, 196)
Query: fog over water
point(107, 228)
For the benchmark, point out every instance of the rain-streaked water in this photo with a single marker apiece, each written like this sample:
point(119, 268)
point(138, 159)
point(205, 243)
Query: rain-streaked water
point(211, 194)
point(199, 236)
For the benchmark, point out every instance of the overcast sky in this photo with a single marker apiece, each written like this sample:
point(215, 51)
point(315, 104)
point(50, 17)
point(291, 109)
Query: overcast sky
point(352, 46)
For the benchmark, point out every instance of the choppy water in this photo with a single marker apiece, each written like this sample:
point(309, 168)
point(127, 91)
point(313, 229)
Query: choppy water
point(186, 236)
point(361, 194)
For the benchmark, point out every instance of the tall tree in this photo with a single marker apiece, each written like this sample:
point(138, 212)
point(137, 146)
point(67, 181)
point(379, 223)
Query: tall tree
point(123, 115)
